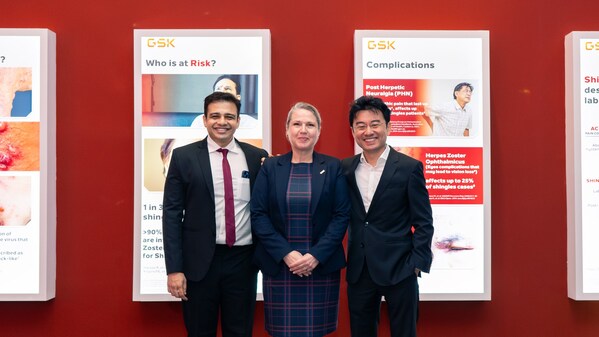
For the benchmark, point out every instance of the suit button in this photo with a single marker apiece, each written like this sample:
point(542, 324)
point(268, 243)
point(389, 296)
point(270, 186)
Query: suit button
point(362, 244)
point(366, 224)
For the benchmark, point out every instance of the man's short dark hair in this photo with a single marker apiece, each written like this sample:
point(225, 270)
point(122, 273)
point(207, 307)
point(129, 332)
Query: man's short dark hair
point(371, 103)
point(460, 86)
point(218, 96)
point(234, 78)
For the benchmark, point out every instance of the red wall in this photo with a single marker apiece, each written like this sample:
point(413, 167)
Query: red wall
point(312, 60)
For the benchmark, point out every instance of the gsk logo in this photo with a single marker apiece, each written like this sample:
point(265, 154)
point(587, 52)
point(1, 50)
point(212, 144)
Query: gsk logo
point(591, 45)
point(161, 43)
point(381, 44)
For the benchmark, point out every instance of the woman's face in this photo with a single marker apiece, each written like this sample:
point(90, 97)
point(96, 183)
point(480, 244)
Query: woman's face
point(302, 130)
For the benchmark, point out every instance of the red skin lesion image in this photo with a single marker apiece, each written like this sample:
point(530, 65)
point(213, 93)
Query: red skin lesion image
point(19, 146)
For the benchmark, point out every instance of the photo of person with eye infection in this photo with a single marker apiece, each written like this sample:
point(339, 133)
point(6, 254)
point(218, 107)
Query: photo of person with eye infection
point(208, 241)
point(300, 213)
point(453, 118)
point(391, 226)
point(15, 92)
point(232, 85)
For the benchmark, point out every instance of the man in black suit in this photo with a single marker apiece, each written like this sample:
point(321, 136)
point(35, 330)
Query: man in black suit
point(209, 262)
point(391, 225)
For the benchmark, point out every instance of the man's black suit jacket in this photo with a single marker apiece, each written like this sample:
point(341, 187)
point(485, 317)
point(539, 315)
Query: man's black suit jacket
point(188, 222)
point(383, 237)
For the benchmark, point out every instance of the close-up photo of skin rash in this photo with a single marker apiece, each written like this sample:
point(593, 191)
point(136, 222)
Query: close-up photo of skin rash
point(12, 80)
point(19, 146)
point(15, 200)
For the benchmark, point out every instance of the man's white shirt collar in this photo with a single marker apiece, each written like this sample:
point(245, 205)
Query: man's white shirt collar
point(212, 146)
point(383, 156)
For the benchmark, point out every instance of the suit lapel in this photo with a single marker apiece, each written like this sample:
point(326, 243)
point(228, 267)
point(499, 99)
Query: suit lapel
point(282, 172)
point(204, 161)
point(319, 175)
point(388, 172)
point(353, 184)
point(250, 159)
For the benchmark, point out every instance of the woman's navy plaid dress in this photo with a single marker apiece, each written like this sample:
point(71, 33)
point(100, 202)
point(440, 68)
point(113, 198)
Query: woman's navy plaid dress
point(300, 306)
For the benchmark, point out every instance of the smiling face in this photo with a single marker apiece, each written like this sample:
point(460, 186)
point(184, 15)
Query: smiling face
point(370, 132)
point(221, 119)
point(303, 130)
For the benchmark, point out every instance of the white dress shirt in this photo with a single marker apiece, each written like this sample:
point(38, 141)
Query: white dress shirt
point(450, 119)
point(368, 176)
point(241, 192)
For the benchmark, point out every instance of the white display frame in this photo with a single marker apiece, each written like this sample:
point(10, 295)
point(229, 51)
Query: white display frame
point(43, 207)
point(581, 129)
point(382, 39)
point(263, 130)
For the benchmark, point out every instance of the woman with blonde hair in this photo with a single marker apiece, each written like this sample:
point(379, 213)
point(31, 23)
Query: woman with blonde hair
point(300, 212)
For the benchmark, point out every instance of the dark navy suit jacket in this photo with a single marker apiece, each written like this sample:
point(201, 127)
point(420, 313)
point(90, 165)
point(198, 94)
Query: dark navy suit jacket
point(188, 222)
point(383, 236)
point(330, 208)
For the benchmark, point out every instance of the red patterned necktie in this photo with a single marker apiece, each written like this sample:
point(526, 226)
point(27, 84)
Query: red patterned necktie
point(229, 204)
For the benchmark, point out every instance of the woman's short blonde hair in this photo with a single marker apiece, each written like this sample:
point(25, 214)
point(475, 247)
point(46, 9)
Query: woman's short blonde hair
point(305, 106)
